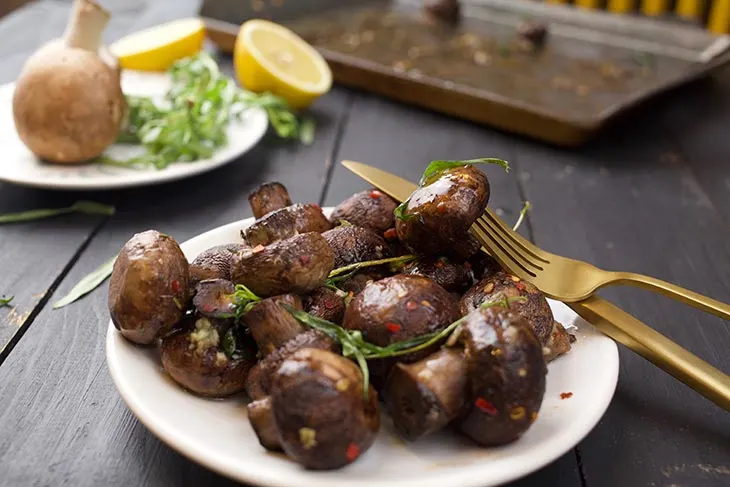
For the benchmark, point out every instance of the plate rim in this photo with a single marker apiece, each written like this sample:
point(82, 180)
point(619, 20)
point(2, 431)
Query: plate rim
point(208, 461)
point(258, 120)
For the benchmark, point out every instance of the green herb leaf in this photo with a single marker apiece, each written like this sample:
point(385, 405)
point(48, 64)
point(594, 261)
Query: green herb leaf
point(229, 343)
point(342, 273)
point(87, 207)
point(6, 301)
point(436, 168)
point(244, 299)
point(523, 212)
point(87, 284)
point(400, 212)
point(191, 122)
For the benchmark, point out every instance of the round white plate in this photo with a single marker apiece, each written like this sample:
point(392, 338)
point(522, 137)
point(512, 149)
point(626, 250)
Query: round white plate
point(19, 166)
point(217, 434)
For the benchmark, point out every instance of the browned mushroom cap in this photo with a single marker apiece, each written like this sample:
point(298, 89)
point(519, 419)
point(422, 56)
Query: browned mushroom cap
point(484, 265)
point(148, 289)
point(195, 357)
point(357, 282)
point(444, 10)
point(214, 263)
point(268, 197)
point(371, 209)
point(299, 264)
point(453, 275)
point(425, 396)
point(214, 298)
point(326, 304)
point(352, 244)
point(286, 222)
point(506, 376)
point(535, 308)
point(438, 215)
point(558, 343)
point(323, 418)
point(258, 384)
point(262, 421)
point(271, 325)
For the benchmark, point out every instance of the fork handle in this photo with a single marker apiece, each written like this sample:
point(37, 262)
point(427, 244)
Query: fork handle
point(655, 347)
point(673, 291)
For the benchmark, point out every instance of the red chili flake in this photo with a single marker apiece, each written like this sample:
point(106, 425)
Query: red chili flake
point(390, 234)
point(258, 248)
point(304, 259)
point(441, 207)
point(375, 194)
point(392, 327)
point(352, 452)
point(175, 286)
point(467, 264)
point(329, 304)
point(410, 305)
point(485, 406)
point(439, 264)
point(520, 285)
point(566, 395)
point(315, 205)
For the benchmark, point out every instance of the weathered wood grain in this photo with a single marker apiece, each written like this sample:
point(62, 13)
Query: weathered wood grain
point(404, 140)
point(625, 204)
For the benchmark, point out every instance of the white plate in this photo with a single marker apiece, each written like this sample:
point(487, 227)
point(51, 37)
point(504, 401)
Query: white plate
point(19, 166)
point(216, 433)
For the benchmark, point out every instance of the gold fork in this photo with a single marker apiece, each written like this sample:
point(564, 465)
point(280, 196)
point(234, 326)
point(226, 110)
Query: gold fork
point(572, 280)
point(565, 279)
point(609, 319)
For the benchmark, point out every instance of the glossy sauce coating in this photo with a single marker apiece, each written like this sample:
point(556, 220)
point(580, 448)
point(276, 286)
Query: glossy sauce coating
point(286, 222)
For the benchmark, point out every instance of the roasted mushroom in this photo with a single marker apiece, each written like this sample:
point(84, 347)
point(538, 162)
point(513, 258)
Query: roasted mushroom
point(484, 265)
point(214, 298)
point(207, 358)
point(271, 325)
point(506, 376)
point(453, 275)
point(320, 410)
point(370, 209)
point(357, 282)
point(299, 264)
point(438, 214)
point(258, 383)
point(262, 421)
point(267, 198)
point(148, 290)
point(286, 222)
point(535, 308)
point(399, 308)
point(558, 343)
point(425, 396)
point(326, 304)
point(214, 263)
point(352, 244)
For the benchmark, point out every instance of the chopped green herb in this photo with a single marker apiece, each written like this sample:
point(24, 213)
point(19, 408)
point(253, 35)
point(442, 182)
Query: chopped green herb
point(191, 122)
point(6, 301)
point(229, 344)
point(87, 284)
point(86, 207)
point(244, 299)
point(342, 273)
point(436, 168)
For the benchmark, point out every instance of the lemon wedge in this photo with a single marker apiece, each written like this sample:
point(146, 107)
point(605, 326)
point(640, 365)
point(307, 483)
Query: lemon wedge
point(157, 48)
point(270, 57)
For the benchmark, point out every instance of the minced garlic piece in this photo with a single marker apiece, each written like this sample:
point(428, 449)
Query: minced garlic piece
point(221, 359)
point(204, 336)
point(308, 438)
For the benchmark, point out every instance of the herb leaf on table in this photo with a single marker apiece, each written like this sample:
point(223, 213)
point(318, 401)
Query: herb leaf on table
point(86, 207)
point(87, 284)
point(6, 301)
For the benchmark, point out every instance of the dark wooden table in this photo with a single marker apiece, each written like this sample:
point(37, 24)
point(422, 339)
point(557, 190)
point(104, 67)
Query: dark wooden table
point(652, 196)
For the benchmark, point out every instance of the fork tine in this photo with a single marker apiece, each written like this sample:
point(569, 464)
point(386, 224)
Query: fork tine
point(509, 247)
point(507, 232)
point(499, 253)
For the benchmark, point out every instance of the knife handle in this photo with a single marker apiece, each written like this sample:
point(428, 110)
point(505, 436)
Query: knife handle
point(656, 348)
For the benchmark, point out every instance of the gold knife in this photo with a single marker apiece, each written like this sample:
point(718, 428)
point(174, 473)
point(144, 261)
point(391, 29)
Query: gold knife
point(608, 318)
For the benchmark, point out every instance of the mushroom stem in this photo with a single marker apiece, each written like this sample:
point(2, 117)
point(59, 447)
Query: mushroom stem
point(88, 20)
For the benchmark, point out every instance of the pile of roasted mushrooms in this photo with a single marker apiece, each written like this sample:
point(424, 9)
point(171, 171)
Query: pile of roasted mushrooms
point(323, 321)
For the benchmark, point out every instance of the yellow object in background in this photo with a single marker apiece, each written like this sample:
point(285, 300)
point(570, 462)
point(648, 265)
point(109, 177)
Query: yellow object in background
point(690, 9)
point(654, 7)
point(621, 6)
point(270, 57)
point(719, 21)
point(157, 48)
point(588, 3)
point(558, 1)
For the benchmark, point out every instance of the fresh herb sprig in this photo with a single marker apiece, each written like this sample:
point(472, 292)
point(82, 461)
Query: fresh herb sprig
point(343, 273)
point(86, 207)
point(244, 299)
point(87, 284)
point(356, 347)
point(191, 122)
point(436, 169)
point(525, 208)
point(4, 301)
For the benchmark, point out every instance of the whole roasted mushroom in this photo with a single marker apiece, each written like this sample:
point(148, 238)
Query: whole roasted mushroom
point(370, 209)
point(267, 198)
point(286, 222)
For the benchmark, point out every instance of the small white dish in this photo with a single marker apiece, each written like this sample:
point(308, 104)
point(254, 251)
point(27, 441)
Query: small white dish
point(20, 166)
point(217, 434)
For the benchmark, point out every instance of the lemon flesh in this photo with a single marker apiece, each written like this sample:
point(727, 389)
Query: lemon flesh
point(157, 48)
point(270, 57)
